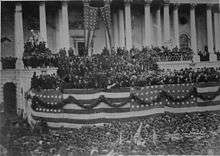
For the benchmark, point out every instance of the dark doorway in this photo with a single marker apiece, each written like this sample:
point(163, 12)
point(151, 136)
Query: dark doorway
point(9, 93)
point(81, 48)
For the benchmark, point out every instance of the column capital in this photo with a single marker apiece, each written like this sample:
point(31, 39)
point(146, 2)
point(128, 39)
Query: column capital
point(85, 2)
point(193, 5)
point(176, 5)
point(166, 2)
point(18, 7)
point(64, 2)
point(209, 6)
point(147, 2)
point(42, 3)
point(128, 1)
point(107, 1)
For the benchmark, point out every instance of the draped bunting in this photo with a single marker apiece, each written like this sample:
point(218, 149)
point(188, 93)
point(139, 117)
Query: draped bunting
point(162, 96)
point(90, 23)
point(78, 107)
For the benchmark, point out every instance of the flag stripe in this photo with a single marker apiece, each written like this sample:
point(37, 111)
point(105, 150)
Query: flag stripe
point(112, 100)
point(208, 89)
point(98, 110)
point(208, 84)
point(97, 95)
point(130, 116)
point(97, 115)
point(216, 99)
point(92, 91)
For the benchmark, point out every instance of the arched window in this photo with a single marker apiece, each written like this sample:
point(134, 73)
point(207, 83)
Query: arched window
point(184, 41)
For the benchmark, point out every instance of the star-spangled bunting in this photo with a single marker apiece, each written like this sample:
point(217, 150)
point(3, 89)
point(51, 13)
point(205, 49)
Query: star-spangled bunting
point(152, 93)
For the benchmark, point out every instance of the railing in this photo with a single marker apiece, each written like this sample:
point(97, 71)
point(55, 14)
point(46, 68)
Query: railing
point(36, 61)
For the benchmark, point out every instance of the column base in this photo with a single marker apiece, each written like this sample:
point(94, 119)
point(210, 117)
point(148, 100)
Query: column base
point(196, 58)
point(212, 57)
point(19, 64)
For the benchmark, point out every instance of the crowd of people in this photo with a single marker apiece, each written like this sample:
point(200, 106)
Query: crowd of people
point(123, 76)
point(188, 133)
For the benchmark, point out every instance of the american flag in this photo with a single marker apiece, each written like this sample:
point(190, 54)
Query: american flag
point(150, 96)
point(106, 15)
point(90, 23)
point(90, 17)
point(117, 104)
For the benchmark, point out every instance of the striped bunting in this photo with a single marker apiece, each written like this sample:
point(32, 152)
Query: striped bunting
point(73, 115)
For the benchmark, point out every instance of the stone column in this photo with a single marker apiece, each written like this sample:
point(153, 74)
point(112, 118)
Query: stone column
point(59, 36)
point(0, 42)
point(43, 24)
point(121, 29)
point(128, 29)
point(115, 31)
point(19, 36)
point(159, 35)
point(212, 56)
point(193, 32)
point(176, 24)
point(166, 20)
point(1, 91)
point(217, 32)
point(65, 26)
point(147, 23)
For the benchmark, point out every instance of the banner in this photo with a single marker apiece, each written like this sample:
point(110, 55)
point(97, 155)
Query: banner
point(90, 24)
point(91, 15)
point(106, 17)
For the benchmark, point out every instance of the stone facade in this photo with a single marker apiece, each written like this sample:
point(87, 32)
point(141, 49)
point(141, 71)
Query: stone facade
point(135, 24)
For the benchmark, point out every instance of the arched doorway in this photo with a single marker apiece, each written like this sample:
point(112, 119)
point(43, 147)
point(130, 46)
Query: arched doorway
point(9, 94)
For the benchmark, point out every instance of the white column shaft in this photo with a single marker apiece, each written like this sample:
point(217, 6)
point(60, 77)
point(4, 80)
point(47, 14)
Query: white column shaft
point(193, 29)
point(65, 26)
point(59, 39)
point(19, 36)
point(217, 32)
point(193, 33)
point(115, 31)
point(147, 22)
point(209, 30)
point(43, 24)
point(212, 56)
point(0, 42)
point(166, 24)
point(128, 28)
point(159, 36)
point(176, 26)
point(121, 29)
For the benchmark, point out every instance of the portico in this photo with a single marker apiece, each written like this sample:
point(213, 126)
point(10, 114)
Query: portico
point(162, 25)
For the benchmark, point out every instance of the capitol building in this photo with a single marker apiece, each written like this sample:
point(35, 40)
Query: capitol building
point(134, 23)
